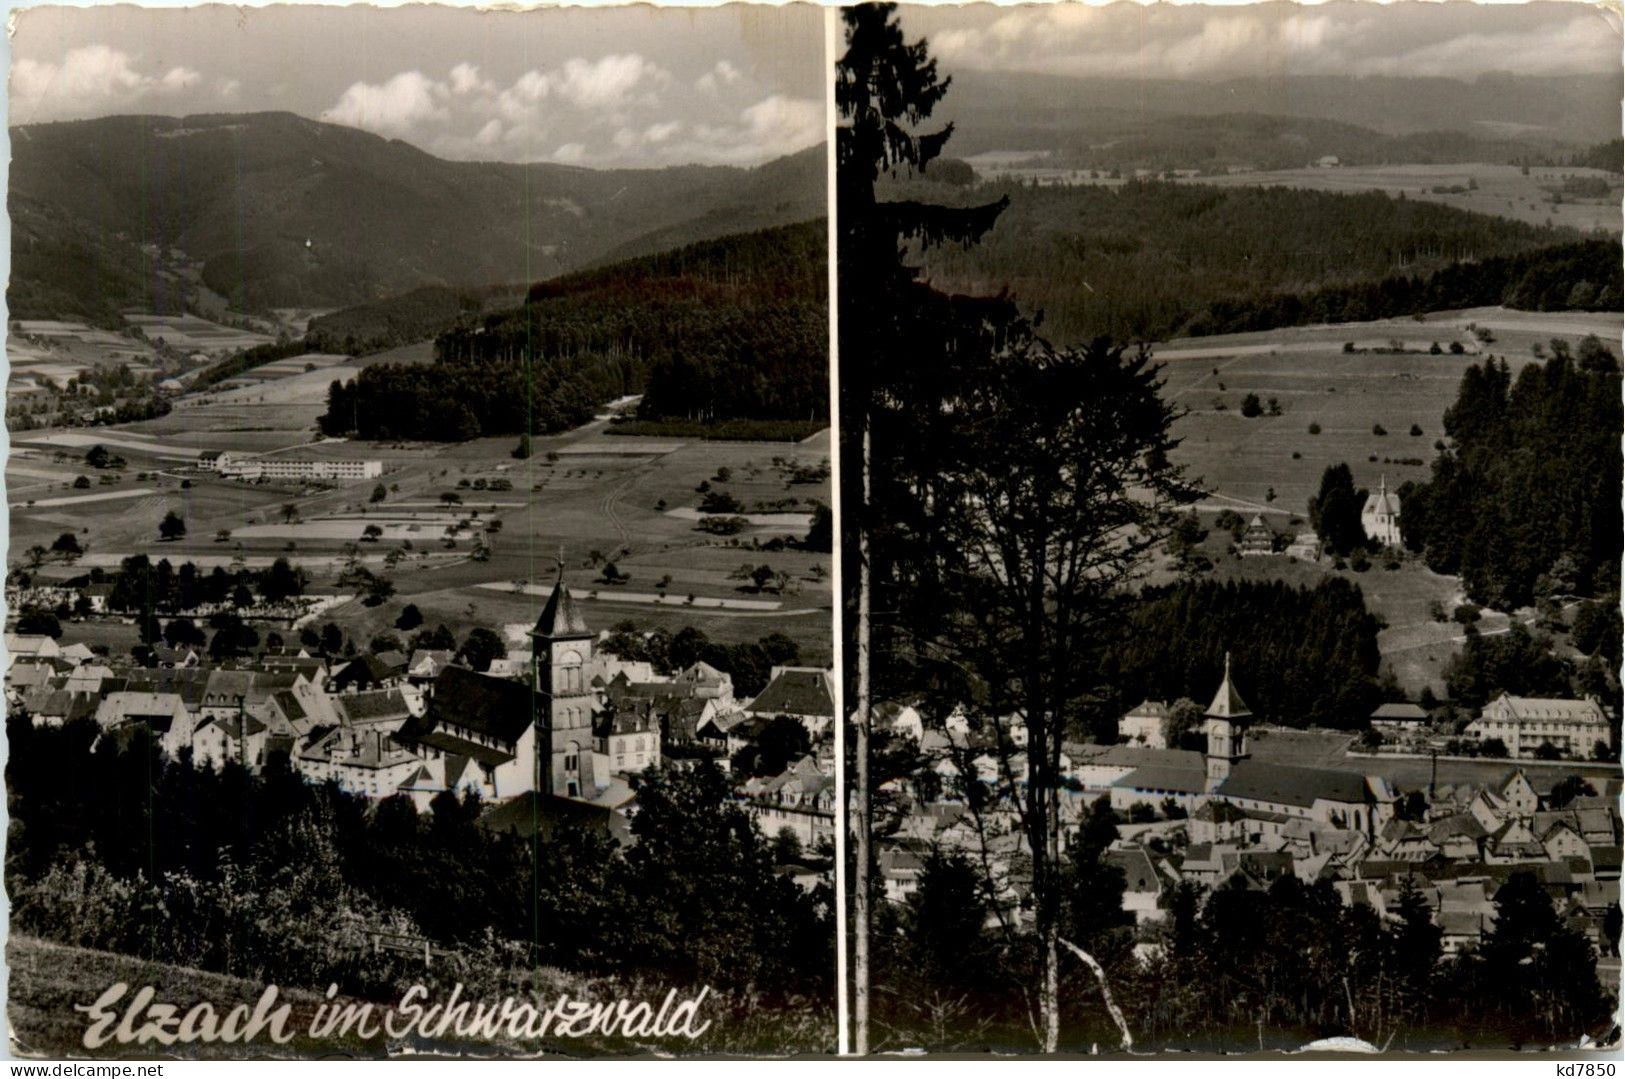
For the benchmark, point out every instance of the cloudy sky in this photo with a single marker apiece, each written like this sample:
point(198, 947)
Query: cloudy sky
point(635, 86)
point(1460, 40)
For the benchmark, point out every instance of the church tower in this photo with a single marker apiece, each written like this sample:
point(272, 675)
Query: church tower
point(561, 645)
point(1227, 720)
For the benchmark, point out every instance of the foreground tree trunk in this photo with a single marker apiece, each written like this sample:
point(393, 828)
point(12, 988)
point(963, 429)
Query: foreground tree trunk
point(860, 806)
point(1105, 991)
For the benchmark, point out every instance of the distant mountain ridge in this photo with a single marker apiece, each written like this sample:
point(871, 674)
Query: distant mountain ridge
point(275, 210)
point(1006, 110)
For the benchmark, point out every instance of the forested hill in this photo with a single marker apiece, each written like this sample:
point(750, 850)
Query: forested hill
point(1148, 260)
point(735, 328)
point(280, 211)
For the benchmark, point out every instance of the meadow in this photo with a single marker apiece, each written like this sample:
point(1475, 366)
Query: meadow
point(1271, 465)
point(584, 495)
point(1500, 190)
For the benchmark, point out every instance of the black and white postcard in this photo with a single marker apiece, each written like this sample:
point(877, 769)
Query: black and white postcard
point(1230, 463)
point(419, 610)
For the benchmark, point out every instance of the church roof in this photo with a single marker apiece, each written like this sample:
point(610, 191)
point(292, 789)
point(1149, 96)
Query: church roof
point(497, 707)
point(561, 617)
point(1227, 703)
point(1286, 784)
point(1382, 500)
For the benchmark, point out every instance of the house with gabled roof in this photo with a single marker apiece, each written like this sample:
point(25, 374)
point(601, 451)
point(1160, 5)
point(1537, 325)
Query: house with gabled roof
point(424, 665)
point(802, 693)
point(380, 709)
point(371, 671)
point(1146, 725)
point(449, 774)
point(700, 679)
point(1514, 841)
point(801, 798)
point(25, 646)
point(487, 720)
point(366, 762)
point(241, 739)
point(1142, 885)
point(900, 867)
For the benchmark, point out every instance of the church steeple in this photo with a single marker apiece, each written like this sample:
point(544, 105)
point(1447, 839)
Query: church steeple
point(1227, 720)
point(560, 616)
point(1227, 703)
point(561, 646)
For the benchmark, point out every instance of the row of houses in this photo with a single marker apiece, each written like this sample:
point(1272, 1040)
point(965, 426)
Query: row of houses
point(569, 722)
point(1220, 817)
point(1524, 725)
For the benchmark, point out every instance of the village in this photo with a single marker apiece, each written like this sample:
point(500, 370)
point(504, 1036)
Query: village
point(555, 729)
point(1420, 798)
point(1230, 816)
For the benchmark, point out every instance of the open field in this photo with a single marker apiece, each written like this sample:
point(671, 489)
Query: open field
point(1328, 749)
point(189, 332)
point(597, 498)
point(278, 401)
point(1347, 394)
point(1501, 190)
point(1498, 190)
point(1243, 462)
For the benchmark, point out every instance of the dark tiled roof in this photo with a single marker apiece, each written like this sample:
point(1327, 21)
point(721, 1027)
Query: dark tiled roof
point(796, 692)
point(453, 744)
point(1165, 777)
point(367, 669)
point(291, 708)
point(499, 707)
point(374, 704)
point(1290, 785)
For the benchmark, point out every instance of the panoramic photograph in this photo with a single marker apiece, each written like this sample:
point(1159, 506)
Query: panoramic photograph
point(1230, 493)
point(419, 597)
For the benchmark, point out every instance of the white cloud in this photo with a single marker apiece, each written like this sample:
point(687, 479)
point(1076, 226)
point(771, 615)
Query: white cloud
point(228, 89)
point(608, 82)
point(179, 78)
point(571, 153)
point(723, 74)
point(1172, 41)
point(394, 107)
point(780, 125)
point(89, 80)
point(465, 79)
point(617, 109)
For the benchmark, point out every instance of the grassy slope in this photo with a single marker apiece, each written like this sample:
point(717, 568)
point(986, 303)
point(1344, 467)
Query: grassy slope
point(49, 979)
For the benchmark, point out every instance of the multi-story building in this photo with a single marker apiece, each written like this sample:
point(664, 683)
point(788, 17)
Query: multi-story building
point(287, 468)
point(1524, 724)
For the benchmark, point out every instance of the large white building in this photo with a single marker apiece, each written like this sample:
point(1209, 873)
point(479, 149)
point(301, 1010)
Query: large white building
point(1146, 725)
point(287, 468)
point(1380, 517)
point(1524, 724)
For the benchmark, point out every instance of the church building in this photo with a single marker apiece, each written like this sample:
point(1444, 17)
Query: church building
point(1380, 517)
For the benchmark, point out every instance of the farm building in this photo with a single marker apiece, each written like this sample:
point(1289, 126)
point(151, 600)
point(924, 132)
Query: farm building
point(1306, 546)
point(1392, 717)
point(1257, 540)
